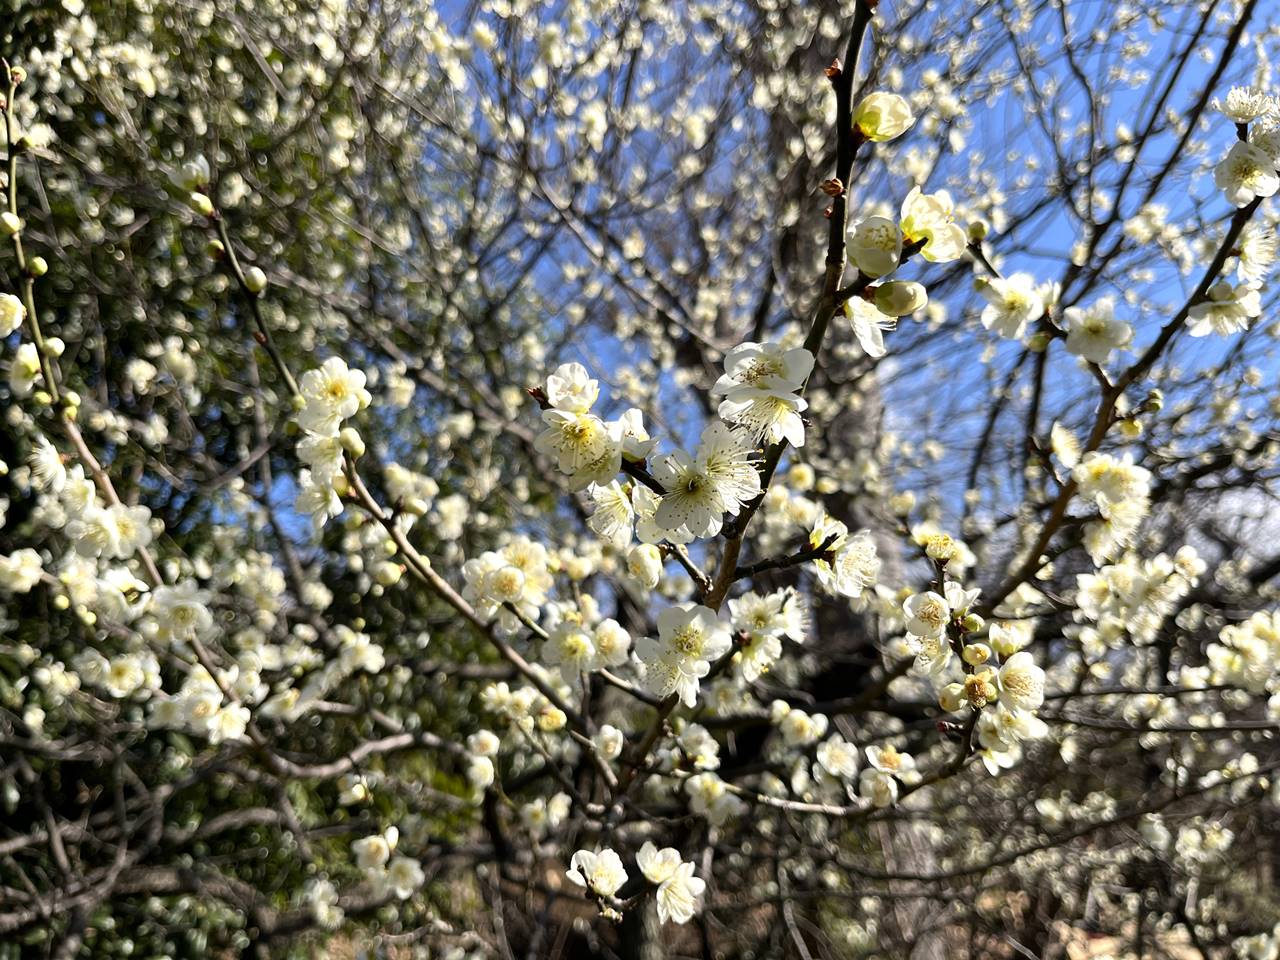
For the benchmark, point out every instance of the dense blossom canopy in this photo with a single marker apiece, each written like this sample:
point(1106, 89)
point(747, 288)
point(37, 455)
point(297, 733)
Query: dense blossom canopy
point(716, 477)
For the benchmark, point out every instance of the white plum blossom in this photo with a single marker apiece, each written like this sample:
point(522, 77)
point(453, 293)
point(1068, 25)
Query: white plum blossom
point(180, 612)
point(927, 615)
point(930, 217)
point(710, 797)
point(404, 876)
point(317, 499)
point(701, 489)
point(24, 370)
point(374, 852)
point(1228, 310)
point(331, 393)
point(690, 638)
point(583, 445)
point(854, 566)
point(1257, 252)
point(12, 314)
point(1095, 332)
point(571, 389)
point(838, 757)
point(570, 647)
point(875, 246)
point(1012, 303)
point(869, 325)
point(1021, 683)
point(20, 570)
point(599, 871)
point(878, 787)
point(888, 759)
point(1245, 174)
point(614, 515)
point(679, 893)
point(1245, 104)
point(760, 389)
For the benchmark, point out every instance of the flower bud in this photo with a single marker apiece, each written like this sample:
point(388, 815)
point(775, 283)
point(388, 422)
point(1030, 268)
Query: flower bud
point(801, 477)
point(215, 250)
point(609, 741)
point(883, 116)
point(951, 697)
point(976, 654)
point(1130, 429)
point(17, 74)
point(37, 266)
point(55, 346)
point(972, 623)
point(351, 441)
point(978, 231)
point(10, 223)
point(644, 562)
point(255, 280)
point(387, 573)
point(1039, 342)
point(201, 204)
point(897, 298)
point(902, 503)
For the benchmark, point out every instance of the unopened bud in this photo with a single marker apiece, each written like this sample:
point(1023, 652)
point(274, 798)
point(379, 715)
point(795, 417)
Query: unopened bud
point(215, 250)
point(38, 266)
point(978, 231)
point(972, 623)
point(255, 280)
point(902, 503)
point(201, 204)
point(951, 697)
point(351, 441)
point(882, 116)
point(17, 74)
point(1038, 342)
point(897, 298)
point(387, 573)
point(10, 223)
point(832, 187)
point(1130, 429)
point(976, 654)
